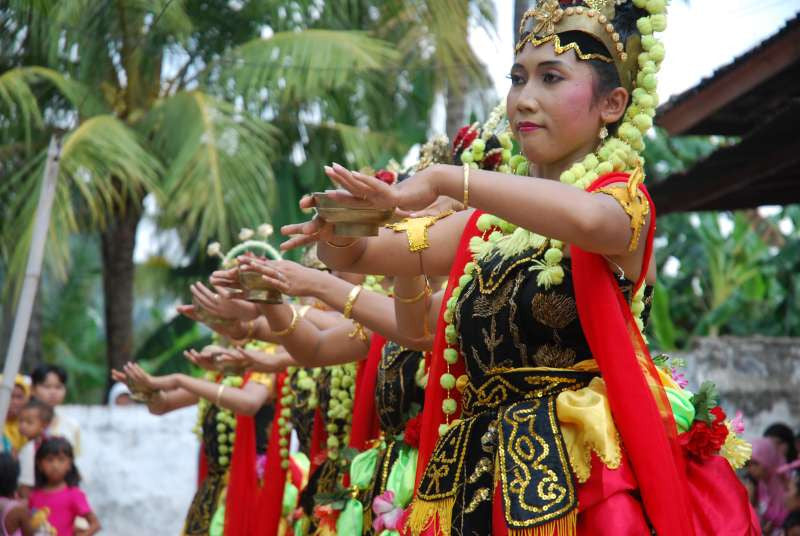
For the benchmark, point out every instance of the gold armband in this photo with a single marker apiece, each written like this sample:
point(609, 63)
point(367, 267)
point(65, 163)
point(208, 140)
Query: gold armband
point(633, 202)
point(351, 301)
point(292, 325)
point(417, 229)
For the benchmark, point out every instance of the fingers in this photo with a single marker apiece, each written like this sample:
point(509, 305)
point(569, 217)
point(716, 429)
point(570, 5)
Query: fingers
point(187, 311)
point(305, 228)
point(298, 241)
point(307, 201)
point(118, 376)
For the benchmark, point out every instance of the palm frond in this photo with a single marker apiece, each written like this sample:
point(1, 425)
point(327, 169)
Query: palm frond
point(219, 176)
point(102, 165)
point(305, 64)
point(20, 109)
point(362, 146)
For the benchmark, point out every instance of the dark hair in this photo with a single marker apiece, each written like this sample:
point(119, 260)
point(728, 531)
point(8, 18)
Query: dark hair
point(39, 374)
point(53, 446)
point(784, 433)
point(45, 412)
point(9, 473)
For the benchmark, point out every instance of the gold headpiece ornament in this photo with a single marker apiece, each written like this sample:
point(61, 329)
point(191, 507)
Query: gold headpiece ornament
point(543, 24)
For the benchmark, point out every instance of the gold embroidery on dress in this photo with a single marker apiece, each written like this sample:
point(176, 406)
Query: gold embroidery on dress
point(480, 495)
point(483, 466)
point(528, 450)
point(554, 356)
point(512, 321)
point(554, 310)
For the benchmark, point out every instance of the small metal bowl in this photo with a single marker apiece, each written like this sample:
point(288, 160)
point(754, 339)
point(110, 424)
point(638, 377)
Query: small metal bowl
point(257, 290)
point(350, 221)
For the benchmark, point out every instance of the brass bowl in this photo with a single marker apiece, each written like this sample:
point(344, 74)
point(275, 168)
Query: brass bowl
point(350, 221)
point(257, 290)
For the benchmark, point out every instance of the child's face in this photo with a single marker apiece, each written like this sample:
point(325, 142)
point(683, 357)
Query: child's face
point(18, 399)
point(51, 391)
point(31, 424)
point(55, 467)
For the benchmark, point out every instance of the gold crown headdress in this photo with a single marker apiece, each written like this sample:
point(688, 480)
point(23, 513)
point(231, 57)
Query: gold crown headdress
point(543, 24)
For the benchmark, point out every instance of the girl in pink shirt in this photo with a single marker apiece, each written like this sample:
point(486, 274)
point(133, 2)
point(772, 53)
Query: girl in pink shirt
point(57, 489)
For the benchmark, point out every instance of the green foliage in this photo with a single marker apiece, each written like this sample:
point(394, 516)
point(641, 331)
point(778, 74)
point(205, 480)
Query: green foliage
point(706, 399)
point(184, 101)
point(730, 273)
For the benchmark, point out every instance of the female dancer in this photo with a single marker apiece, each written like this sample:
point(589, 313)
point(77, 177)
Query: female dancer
point(228, 429)
point(565, 425)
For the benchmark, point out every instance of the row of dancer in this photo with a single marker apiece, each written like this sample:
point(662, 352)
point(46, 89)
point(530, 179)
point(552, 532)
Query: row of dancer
point(521, 399)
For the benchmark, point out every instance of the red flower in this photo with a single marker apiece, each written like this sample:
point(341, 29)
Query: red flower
point(464, 138)
point(703, 439)
point(411, 434)
point(389, 177)
point(492, 160)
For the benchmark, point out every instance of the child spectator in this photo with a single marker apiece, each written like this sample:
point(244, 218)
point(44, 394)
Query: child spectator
point(57, 489)
point(50, 386)
point(783, 437)
point(34, 419)
point(14, 517)
point(769, 490)
point(19, 396)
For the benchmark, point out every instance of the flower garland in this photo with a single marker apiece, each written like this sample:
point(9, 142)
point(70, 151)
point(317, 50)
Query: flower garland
point(340, 407)
point(617, 153)
point(226, 419)
point(306, 380)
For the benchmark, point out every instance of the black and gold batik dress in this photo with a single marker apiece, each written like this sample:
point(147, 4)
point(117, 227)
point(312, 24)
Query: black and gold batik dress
point(534, 410)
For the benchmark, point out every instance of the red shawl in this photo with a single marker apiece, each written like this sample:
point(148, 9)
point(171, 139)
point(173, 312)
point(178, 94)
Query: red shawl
point(638, 402)
point(268, 508)
point(242, 483)
point(365, 425)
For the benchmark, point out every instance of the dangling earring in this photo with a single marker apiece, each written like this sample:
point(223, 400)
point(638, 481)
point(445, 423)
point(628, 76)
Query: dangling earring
point(603, 133)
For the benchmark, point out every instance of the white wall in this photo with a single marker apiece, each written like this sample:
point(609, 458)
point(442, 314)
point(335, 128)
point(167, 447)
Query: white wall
point(139, 470)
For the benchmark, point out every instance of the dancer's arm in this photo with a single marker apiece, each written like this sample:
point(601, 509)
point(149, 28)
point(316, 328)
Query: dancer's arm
point(245, 400)
point(373, 310)
point(160, 402)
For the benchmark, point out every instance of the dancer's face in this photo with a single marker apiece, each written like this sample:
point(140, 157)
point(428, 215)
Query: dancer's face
point(552, 107)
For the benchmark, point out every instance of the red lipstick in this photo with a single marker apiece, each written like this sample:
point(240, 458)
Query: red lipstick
point(527, 126)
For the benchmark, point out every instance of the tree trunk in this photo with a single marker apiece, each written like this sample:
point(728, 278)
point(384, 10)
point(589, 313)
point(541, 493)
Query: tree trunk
point(118, 241)
point(456, 107)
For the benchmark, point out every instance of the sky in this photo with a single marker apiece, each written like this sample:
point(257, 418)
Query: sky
point(728, 29)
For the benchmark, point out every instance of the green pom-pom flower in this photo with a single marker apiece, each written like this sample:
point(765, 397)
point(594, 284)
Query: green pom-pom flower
point(451, 355)
point(449, 406)
point(447, 381)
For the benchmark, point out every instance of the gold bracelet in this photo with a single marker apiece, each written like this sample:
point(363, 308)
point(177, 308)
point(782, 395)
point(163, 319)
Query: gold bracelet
point(220, 389)
point(292, 325)
point(425, 292)
point(303, 310)
point(351, 300)
point(337, 246)
point(466, 186)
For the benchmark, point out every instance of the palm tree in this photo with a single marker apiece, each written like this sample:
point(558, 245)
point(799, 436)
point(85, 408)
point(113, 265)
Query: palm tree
point(186, 102)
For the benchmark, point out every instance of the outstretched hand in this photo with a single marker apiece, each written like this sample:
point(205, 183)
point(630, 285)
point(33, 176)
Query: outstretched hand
point(289, 277)
point(414, 193)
